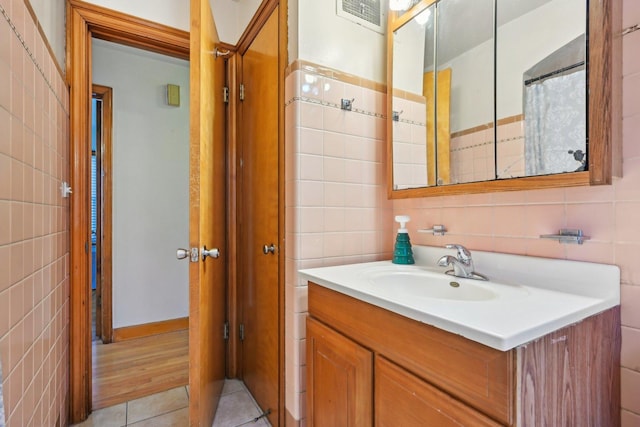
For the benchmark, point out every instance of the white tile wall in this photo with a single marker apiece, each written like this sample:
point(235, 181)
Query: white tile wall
point(337, 210)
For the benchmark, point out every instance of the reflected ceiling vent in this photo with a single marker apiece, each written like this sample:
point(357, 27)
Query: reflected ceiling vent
point(368, 13)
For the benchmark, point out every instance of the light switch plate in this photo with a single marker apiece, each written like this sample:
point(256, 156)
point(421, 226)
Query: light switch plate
point(173, 95)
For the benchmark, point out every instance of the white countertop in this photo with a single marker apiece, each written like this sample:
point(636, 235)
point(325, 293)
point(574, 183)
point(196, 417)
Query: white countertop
point(534, 296)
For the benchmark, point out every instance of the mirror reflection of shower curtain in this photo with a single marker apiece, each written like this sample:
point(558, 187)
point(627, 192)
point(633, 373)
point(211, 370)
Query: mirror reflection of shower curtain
point(555, 117)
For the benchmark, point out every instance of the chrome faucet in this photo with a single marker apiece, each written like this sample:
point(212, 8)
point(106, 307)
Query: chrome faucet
point(462, 264)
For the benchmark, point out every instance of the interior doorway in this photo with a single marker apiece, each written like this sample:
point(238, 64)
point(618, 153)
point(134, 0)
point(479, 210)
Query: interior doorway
point(146, 173)
point(86, 21)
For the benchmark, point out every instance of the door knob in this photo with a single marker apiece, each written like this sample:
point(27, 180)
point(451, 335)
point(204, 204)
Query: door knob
point(213, 253)
point(182, 253)
point(192, 254)
point(269, 249)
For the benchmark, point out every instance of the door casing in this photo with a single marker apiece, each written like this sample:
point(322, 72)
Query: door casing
point(104, 324)
point(85, 21)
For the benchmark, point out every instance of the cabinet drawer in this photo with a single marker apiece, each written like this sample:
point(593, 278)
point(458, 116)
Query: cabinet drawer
point(479, 376)
point(402, 399)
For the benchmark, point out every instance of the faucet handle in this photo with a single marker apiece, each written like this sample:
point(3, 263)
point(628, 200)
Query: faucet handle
point(463, 253)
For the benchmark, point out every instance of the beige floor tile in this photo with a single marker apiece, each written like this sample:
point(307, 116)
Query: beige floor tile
point(113, 416)
point(232, 386)
point(179, 418)
point(235, 409)
point(171, 409)
point(157, 404)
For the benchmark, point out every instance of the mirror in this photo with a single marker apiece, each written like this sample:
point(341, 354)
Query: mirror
point(488, 95)
point(465, 50)
point(542, 92)
point(413, 49)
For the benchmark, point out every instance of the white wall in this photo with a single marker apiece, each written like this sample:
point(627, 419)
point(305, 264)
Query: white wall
point(173, 13)
point(335, 42)
point(408, 57)
point(51, 16)
point(232, 17)
point(525, 41)
point(522, 43)
point(150, 182)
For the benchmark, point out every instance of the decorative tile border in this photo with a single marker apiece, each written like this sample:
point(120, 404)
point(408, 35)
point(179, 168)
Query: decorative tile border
point(301, 65)
point(503, 121)
point(332, 105)
point(412, 122)
point(484, 143)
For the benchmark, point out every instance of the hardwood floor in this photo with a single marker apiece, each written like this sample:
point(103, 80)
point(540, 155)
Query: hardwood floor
point(127, 370)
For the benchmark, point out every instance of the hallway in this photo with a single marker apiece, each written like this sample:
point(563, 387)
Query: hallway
point(128, 370)
point(144, 382)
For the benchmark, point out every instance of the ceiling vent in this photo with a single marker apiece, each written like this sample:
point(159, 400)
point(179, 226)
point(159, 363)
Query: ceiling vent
point(368, 13)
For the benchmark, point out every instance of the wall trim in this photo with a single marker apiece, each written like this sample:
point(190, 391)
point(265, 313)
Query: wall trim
point(300, 64)
point(150, 329)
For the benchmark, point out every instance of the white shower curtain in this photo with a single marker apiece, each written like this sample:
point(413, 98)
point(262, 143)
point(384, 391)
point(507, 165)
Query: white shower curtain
point(555, 123)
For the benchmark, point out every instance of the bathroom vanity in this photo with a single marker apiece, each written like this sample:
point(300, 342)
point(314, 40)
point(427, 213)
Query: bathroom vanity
point(513, 359)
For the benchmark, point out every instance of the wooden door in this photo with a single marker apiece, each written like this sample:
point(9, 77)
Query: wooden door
point(207, 219)
point(259, 219)
point(339, 379)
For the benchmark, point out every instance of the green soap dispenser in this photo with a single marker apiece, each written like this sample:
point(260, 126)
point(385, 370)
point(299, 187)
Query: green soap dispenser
point(402, 253)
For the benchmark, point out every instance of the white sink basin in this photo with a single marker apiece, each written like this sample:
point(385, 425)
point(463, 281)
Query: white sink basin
point(397, 282)
point(524, 299)
point(418, 285)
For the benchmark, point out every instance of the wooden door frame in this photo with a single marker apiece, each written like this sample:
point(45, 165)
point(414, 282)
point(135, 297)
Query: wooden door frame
point(105, 203)
point(85, 21)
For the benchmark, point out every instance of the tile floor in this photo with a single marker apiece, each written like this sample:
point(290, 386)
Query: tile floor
point(171, 409)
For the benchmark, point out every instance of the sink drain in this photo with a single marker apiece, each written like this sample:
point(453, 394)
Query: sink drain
point(454, 284)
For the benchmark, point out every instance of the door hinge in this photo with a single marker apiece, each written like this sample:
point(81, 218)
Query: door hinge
point(225, 94)
point(225, 331)
point(241, 92)
point(241, 332)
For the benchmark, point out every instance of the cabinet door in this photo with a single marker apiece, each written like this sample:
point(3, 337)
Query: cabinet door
point(339, 379)
point(403, 400)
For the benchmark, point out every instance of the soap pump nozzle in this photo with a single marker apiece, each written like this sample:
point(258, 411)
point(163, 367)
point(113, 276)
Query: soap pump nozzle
point(403, 220)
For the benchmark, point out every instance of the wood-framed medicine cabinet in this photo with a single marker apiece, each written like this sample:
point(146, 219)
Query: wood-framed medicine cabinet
point(464, 79)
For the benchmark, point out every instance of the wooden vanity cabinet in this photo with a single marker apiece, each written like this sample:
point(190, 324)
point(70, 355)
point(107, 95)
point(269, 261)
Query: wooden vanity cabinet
point(369, 366)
